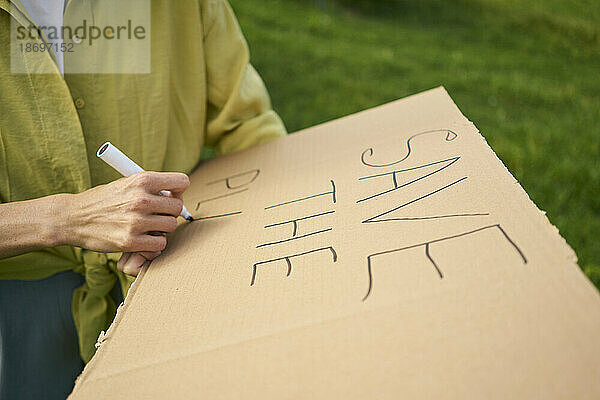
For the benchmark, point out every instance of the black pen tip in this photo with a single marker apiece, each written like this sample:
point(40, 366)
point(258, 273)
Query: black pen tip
point(190, 218)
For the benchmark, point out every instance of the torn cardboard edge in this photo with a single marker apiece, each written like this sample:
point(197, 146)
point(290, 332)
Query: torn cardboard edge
point(572, 256)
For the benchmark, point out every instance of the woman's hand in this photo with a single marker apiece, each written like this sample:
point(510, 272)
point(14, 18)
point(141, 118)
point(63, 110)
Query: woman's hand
point(127, 215)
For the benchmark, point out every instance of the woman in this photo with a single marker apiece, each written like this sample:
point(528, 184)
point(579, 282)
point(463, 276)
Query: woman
point(65, 217)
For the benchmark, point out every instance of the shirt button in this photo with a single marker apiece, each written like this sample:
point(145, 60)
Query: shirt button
point(79, 103)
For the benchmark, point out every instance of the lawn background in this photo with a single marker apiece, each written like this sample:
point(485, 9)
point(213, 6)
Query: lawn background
point(526, 72)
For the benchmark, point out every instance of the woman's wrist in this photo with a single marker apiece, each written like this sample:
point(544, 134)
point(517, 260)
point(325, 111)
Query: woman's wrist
point(56, 224)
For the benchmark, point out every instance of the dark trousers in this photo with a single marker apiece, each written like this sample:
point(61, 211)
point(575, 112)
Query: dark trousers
point(39, 351)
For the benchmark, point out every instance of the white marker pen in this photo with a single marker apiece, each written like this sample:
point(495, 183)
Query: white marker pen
point(126, 167)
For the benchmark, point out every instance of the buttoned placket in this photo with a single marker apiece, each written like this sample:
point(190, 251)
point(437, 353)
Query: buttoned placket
point(77, 11)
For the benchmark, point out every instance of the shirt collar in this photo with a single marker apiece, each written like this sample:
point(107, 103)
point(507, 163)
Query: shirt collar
point(16, 9)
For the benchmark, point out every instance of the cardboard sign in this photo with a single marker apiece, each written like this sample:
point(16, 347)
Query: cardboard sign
point(388, 254)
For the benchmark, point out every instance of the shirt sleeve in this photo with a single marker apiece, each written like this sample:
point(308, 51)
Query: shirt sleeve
point(239, 113)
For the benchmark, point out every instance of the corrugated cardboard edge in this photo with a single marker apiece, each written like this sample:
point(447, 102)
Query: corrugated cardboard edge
point(569, 253)
point(104, 337)
point(571, 256)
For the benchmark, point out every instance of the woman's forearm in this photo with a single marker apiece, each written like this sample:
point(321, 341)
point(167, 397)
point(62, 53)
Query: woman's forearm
point(123, 215)
point(32, 225)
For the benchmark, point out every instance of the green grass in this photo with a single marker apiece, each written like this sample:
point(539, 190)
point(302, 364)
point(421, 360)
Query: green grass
point(526, 72)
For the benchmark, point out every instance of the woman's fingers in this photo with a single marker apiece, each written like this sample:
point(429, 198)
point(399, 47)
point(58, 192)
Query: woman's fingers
point(154, 182)
point(141, 224)
point(160, 223)
point(132, 263)
point(156, 204)
point(123, 260)
point(143, 242)
point(150, 255)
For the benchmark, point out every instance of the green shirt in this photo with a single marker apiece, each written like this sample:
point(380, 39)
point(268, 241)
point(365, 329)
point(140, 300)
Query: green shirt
point(201, 91)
